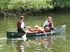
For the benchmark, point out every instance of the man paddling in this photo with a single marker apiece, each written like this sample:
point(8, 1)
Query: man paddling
point(20, 25)
point(21, 29)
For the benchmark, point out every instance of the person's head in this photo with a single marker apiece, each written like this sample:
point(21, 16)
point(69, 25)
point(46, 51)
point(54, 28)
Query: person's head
point(21, 18)
point(46, 28)
point(36, 27)
point(29, 28)
point(49, 18)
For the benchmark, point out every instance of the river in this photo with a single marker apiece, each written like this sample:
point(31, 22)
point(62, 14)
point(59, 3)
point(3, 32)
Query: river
point(9, 24)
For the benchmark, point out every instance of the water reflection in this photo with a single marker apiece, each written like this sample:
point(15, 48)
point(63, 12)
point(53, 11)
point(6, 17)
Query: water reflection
point(19, 44)
point(29, 45)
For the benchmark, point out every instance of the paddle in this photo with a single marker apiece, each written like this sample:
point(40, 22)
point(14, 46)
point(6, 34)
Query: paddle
point(24, 37)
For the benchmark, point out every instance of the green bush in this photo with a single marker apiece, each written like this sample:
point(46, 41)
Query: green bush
point(33, 5)
point(61, 3)
point(25, 4)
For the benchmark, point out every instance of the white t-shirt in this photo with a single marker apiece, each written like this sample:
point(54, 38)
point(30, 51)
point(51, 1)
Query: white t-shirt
point(22, 24)
point(46, 23)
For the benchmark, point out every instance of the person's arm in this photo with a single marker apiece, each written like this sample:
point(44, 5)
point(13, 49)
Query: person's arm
point(52, 25)
point(44, 24)
point(23, 30)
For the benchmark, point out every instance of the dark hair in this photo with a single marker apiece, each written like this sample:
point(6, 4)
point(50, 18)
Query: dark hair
point(21, 17)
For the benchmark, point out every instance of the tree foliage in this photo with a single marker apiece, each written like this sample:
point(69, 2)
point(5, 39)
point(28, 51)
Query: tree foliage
point(25, 4)
point(61, 3)
point(3, 4)
point(32, 5)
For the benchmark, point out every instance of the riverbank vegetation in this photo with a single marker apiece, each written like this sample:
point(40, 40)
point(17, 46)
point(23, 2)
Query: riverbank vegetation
point(13, 7)
point(58, 19)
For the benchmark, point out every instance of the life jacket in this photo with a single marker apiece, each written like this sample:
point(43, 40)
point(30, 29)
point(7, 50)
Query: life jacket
point(18, 24)
point(39, 30)
point(31, 30)
point(19, 29)
point(50, 24)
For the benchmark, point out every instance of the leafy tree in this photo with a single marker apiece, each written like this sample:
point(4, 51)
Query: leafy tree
point(25, 4)
point(61, 3)
point(3, 4)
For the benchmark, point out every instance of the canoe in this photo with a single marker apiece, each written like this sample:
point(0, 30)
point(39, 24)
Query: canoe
point(59, 30)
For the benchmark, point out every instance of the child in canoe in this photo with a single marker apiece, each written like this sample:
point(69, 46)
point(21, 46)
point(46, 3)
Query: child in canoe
point(39, 29)
point(30, 29)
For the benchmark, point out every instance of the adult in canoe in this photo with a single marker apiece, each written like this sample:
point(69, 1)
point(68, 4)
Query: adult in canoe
point(20, 25)
point(48, 23)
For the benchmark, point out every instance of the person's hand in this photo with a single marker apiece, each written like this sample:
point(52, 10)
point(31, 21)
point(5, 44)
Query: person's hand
point(26, 31)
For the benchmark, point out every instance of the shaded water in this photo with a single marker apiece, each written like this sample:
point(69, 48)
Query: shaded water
point(10, 25)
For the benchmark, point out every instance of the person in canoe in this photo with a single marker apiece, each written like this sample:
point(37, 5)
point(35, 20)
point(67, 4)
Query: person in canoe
point(30, 30)
point(46, 29)
point(21, 25)
point(38, 29)
point(48, 23)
